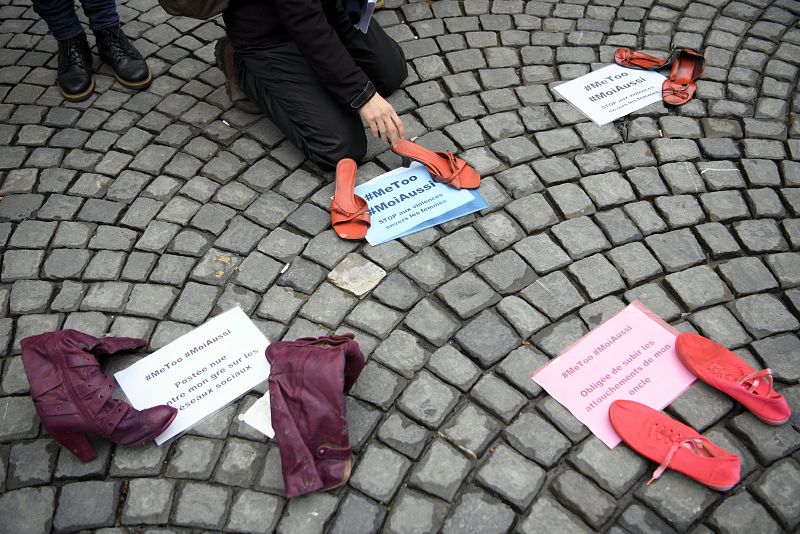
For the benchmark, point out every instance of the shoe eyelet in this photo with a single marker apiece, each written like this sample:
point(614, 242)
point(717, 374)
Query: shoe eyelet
point(99, 396)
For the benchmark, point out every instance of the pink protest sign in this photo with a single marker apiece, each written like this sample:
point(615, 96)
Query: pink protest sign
point(630, 356)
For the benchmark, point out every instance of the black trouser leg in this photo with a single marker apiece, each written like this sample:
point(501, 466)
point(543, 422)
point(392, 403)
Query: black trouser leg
point(282, 84)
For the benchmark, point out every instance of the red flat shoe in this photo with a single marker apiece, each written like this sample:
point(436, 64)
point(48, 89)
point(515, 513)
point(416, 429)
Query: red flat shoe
point(349, 212)
point(675, 445)
point(632, 59)
point(723, 370)
point(443, 166)
point(680, 87)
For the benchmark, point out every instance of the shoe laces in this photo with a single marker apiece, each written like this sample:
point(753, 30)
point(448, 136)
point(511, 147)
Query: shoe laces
point(721, 371)
point(688, 443)
point(70, 53)
point(755, 379)
point(118, 43)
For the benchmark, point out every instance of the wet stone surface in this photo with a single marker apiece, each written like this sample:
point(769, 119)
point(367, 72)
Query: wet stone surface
point(146, 213)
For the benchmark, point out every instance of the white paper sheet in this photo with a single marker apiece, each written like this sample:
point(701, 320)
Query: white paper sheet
point(200, 372)
point(612, 92)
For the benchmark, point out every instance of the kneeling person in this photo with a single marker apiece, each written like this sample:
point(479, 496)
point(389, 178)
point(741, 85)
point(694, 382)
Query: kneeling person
point(315, 75)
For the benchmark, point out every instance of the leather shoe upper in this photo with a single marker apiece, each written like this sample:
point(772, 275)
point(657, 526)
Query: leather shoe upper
point(115, 49)
point(75, 68)
point(307, 382)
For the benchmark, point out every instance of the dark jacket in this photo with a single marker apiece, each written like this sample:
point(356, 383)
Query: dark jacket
point(315, 27)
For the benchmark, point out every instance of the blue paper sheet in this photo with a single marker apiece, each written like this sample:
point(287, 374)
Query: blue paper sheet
point(405, 201)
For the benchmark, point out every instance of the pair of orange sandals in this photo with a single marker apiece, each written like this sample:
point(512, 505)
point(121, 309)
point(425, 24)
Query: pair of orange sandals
point(350, 213)
point(680, 447)
point(687, 66)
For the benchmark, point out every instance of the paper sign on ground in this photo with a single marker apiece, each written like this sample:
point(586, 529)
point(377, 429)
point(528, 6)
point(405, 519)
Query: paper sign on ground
point(612, 92)
point(259, 416)
point(630, 356)
point(404, 201)
point(200, 372)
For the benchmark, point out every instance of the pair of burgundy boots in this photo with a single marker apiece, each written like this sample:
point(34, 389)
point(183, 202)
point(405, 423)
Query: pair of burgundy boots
point(73, 397)
point(307, 382)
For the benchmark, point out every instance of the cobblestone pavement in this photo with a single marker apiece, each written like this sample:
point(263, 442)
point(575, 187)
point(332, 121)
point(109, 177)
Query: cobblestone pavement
point(144, 214)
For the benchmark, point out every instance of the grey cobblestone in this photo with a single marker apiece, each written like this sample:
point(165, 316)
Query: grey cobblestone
point(415, 512)
point(358, 514)
point(379, 472)
point(741, 509)
point(201, 505)
point(148, 502)
point(89, 504)
point(39, 503)
point(512, 476)
point(479, 511)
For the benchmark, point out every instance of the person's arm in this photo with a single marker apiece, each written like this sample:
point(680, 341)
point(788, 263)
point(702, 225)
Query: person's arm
point(308, 27)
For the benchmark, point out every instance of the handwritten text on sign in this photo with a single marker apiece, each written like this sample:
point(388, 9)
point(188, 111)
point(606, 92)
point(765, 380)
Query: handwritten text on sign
point(200, 372)
point(630, 356)
point(612, 92)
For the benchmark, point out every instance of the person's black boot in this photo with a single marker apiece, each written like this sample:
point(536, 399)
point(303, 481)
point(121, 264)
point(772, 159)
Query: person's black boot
point(74, 77)
point(129, 66)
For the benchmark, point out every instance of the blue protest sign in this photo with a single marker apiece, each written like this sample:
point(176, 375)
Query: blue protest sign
point(405, 201)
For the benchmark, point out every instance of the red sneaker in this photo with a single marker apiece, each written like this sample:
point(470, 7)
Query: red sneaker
point(722, 369)
point(675, 445)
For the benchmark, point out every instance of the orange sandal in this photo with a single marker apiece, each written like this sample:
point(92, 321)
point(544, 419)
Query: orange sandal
point(443, 166)
point(349, 212)
point(687, 67)
point(632, 59)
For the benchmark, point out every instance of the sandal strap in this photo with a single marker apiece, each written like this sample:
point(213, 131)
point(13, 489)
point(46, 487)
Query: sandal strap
point(352, 214)
point(687, 443)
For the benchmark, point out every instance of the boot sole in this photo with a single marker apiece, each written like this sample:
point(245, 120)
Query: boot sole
point(136, 85)
point(77, 97)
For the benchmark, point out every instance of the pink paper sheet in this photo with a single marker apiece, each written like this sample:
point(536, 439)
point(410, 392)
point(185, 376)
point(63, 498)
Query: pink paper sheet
point(630, 356)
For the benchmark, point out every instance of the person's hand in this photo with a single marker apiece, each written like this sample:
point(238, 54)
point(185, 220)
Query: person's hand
point(382, 119)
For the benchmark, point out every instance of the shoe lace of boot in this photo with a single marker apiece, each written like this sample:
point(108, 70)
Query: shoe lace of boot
point(71, 54)
point(117, 44)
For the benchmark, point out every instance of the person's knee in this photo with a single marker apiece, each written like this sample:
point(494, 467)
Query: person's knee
point(393, 72)
point(345, 142)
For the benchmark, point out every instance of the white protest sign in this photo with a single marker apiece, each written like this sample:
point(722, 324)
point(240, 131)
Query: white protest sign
point(612, 92)
point(200, 372)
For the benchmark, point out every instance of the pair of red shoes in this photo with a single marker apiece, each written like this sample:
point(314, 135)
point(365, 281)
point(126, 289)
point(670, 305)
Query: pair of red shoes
point(677, 446)
point(350, 213)
point(687, 66)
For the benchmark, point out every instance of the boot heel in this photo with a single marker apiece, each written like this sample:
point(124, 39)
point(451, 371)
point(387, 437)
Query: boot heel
point(77, 443)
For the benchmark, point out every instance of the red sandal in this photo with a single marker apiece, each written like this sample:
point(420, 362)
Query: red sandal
point(722, 369)
point(675, 445)
point(443, 166)
point(632, 59)
point(686, 68)
point(349, 212)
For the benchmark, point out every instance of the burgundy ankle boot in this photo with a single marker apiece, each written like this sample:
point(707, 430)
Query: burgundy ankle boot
point(307, 381)
point(73, 397)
